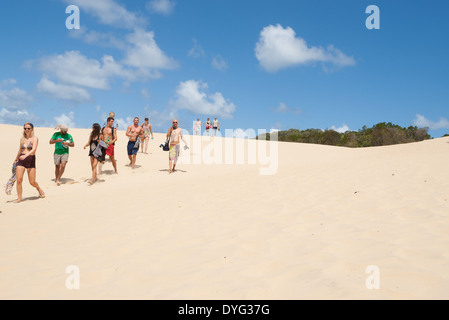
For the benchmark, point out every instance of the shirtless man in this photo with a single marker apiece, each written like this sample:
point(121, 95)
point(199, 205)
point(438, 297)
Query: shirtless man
point(134, 132)
point(174, 133)
point(110, 136)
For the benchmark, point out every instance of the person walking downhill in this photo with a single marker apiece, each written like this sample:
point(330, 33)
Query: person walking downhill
point(146, 127)
point(26, 160)
point(110, 136)
point(62, 141)
point(134, 132)
point(174, 134)
point(96, 153)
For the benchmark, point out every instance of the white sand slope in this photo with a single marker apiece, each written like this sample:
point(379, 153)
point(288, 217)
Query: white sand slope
point(217, 231)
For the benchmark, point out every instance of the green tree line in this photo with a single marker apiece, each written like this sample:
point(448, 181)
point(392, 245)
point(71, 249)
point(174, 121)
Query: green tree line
point(381, 134)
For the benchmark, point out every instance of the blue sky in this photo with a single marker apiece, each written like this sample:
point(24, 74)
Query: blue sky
point(257, 64)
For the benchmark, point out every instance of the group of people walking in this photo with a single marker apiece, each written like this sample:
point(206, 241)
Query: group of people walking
point(101, 143)
point(214, 125)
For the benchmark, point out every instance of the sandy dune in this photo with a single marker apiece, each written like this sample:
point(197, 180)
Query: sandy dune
point(224, 231)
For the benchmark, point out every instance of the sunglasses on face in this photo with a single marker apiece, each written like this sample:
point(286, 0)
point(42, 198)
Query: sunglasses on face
point(26, 128)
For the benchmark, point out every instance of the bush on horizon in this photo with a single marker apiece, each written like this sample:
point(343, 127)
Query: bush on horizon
point(381, 134)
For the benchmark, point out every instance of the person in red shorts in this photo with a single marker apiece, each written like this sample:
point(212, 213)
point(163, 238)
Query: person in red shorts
point(110, 136)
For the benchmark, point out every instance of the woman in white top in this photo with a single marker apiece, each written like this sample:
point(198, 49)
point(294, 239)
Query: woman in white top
point(197, 126)
point(146, 127)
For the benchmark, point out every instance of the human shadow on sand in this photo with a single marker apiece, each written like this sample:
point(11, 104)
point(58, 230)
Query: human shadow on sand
point(108, 172)
point(177, 170)
point(65, 181)
point(96, 181)
point(25, 199)
point(136, 166)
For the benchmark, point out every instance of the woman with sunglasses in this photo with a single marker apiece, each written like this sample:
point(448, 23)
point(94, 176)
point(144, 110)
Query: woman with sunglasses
point(174, 135)
point(26, 160)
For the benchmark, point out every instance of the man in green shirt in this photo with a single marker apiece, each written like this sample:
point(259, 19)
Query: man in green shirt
point(62, 141)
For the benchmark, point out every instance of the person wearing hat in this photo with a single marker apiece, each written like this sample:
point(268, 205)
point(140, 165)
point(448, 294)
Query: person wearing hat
point(62, 141)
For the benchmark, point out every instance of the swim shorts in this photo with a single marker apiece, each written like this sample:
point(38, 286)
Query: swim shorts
point(110, 150)
point(131, 149)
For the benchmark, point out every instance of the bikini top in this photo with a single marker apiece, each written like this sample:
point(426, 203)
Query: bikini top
point(29, 147)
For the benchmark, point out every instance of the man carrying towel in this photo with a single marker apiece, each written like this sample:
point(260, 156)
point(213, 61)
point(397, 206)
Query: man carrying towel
point(175, 135)
point(62, 141)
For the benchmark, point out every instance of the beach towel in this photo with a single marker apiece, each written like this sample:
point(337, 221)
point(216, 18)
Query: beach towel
point(11, 181)
point(98, 152)
point(137, 144)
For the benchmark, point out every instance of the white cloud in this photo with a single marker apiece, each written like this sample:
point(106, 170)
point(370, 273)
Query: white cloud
point(64, 92)
point(197, 51)
point(13, 98)
point(283, 108)
point(279, 48)
point(277, 126)
point(161, 120)
point(143, 60)
point(342, 129)
point(14, 103)
point(145, 93)
point(219, 63)
point(16, 116)
point(161, 6)
point(98, 38)
point(73, 68)
point(110, 13)
point(7, 82)
point(66, 119)
point(244, 134)
point(145, 53)
point(124, 124)
point(191, 96)
point(422, 122)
